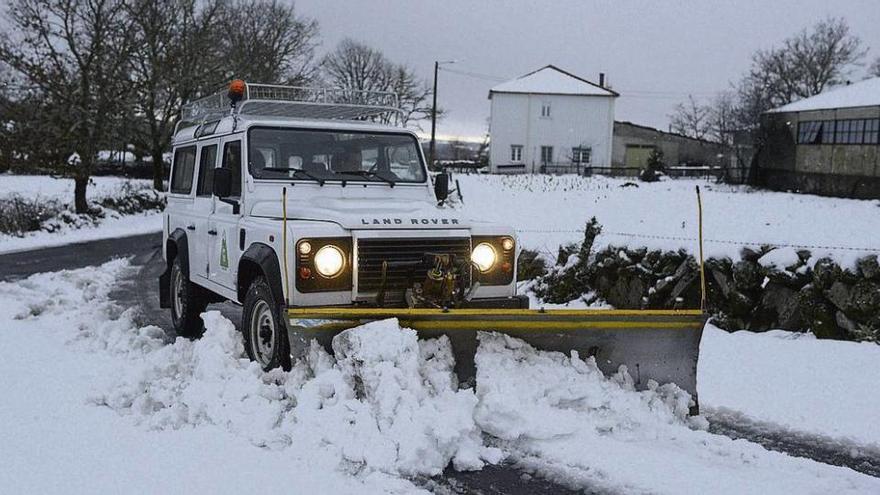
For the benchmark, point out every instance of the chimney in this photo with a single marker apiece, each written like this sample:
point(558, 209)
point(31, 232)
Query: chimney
point(602, 79)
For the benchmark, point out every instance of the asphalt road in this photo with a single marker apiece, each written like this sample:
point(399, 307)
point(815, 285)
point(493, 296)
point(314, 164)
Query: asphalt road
point(140, 291)
point(24, 263)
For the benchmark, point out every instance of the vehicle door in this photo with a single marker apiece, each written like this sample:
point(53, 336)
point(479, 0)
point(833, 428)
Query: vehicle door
point(180, 193)
point(223, 228)
point(202, 209)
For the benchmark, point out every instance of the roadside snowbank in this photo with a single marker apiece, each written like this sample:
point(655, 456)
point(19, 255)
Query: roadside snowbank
point(69, 228)
point(69, 348)
point(385, 408)
point(386, 402)
point(794, 380)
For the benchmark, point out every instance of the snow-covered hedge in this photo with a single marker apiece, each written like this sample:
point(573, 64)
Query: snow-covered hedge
point(20, 215)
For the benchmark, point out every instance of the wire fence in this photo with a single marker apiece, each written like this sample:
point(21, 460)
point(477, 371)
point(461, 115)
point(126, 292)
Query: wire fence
point(826, 247)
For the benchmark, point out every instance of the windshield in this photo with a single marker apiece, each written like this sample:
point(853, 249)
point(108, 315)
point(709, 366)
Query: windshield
point(275, 153)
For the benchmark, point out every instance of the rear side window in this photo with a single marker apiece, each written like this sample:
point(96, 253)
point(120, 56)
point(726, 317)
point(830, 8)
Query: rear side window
point(182, 171)
point(207, 161)
point(232, 161)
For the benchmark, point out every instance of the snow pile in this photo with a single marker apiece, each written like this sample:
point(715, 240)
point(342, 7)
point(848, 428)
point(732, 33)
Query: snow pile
point(387, 402)
point(557, 415)
point(391, 402)
point(538, 395)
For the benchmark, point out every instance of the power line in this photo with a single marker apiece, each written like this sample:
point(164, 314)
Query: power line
point(628, 93)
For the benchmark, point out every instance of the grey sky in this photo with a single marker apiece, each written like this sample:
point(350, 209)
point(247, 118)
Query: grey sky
point(653, 52)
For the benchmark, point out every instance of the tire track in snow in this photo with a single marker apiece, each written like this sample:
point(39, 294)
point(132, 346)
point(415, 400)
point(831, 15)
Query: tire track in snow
point(827, 450)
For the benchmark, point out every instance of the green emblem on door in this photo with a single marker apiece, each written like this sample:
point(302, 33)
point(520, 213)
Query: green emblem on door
point(224, 255)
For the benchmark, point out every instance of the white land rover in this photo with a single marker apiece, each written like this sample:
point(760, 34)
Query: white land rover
point(288, 197)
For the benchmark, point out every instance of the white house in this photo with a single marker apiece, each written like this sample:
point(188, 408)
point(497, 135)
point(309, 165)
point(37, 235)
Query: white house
point(550, 120)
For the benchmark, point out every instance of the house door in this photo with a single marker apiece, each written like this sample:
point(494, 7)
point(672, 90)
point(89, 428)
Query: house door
point(637, 156)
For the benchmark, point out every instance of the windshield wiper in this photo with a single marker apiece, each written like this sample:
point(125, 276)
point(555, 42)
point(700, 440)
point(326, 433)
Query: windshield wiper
point(368, 173)
point(305, 173)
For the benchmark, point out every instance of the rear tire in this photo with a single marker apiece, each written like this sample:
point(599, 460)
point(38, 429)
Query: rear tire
point(188, 302)
point(264, 335)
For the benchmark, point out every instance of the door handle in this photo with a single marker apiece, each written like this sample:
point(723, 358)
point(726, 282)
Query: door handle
point(190, 227)
point(212, 232)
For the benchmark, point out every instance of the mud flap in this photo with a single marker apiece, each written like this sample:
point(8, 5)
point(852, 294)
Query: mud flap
point(659, 345)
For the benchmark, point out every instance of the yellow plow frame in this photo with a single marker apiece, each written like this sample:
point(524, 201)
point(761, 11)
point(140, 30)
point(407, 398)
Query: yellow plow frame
point(662, 345)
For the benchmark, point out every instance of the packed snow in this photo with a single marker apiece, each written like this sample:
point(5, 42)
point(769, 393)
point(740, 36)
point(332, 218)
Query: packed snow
point(49, 188)
point(794, 380)
point(113, 403)
point(550, 210)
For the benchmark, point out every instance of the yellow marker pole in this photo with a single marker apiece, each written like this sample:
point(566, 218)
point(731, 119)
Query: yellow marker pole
point(702, 264)
point(284, 243)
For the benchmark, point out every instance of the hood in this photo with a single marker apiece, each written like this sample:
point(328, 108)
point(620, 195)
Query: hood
point(365, 213)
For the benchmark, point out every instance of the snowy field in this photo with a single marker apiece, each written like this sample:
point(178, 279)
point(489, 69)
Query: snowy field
point(548, 211)
point(92, 403)
point(45, 187)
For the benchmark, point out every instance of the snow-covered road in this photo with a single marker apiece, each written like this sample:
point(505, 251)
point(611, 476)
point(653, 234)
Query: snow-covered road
point(94, 403)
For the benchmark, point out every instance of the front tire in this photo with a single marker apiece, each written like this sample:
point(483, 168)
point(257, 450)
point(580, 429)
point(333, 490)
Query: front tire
point(188, 302)
point(265, 337)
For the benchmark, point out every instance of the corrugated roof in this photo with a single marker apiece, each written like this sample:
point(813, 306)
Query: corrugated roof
point(861, 94)
point(552, 80)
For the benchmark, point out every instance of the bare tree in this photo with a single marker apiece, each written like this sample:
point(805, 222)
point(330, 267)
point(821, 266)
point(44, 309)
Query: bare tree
point(266, 41)
point(722, 118)
point(76, 52)
point(691, 118)
point(804, 65)
point(175, 58)
point(355, 65)
point(808, 63)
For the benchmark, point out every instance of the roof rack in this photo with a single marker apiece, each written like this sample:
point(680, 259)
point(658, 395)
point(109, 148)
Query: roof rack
point(272, 100)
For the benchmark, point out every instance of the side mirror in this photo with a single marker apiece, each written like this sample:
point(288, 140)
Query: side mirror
point(441, 186)
point(222, 182)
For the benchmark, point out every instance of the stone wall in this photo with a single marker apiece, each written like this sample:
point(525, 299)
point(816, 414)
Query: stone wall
point(763, 289)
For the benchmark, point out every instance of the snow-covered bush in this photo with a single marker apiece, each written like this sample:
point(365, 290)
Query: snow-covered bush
point(19, 215)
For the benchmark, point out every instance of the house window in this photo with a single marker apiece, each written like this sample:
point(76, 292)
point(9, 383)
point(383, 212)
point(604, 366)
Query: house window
point(546, 154)
point(545, 109)
point(809, 132)
point(872, 128)
point(516, 153)
point(581, 155)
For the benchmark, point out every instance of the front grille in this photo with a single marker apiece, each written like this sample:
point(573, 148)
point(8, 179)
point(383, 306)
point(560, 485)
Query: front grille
point(372, 252)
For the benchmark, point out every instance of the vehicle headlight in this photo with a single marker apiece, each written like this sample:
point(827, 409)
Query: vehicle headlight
point(329, 261)
point(484, 256)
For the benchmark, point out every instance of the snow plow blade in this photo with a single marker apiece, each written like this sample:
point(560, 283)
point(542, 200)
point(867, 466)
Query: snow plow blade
point(662, 345)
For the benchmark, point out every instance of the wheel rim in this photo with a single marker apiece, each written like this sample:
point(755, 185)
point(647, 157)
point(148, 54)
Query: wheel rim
point(177, 293)
point(262, 333)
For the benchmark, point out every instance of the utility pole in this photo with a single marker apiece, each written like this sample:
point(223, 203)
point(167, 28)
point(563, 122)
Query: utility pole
point(433, 146)
point(433, 119)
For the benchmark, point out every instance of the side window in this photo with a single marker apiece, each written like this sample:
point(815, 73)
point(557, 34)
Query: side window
point(182, 171)
point(207, 162)
point(232, 161)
